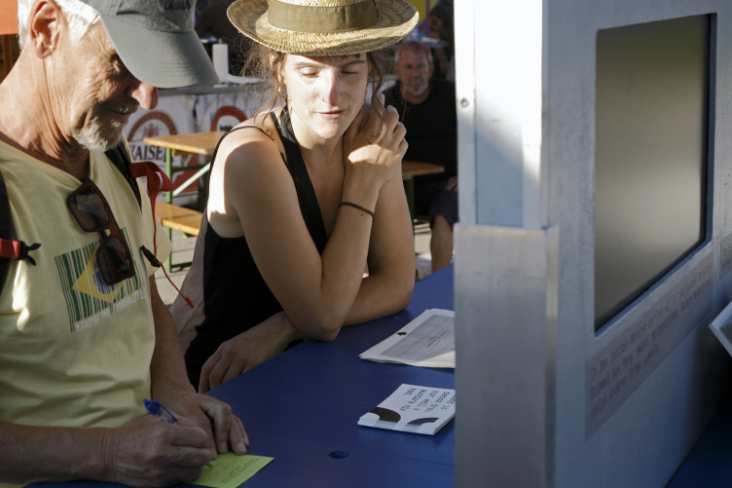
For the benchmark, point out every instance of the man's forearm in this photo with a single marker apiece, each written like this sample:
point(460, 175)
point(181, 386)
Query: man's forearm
point(43, 454)
point(167, 369)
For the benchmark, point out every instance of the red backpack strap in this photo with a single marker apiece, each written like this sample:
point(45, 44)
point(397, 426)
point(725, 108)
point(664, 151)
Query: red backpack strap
point(157, 181)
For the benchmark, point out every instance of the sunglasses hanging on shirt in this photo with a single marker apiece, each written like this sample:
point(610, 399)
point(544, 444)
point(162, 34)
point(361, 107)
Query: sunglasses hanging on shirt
point(92, 212)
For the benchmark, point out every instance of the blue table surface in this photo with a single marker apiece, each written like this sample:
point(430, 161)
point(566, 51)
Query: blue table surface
point(709, 464)
point(304, 404)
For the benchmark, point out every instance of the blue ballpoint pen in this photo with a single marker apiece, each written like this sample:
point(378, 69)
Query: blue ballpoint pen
point(161, 413)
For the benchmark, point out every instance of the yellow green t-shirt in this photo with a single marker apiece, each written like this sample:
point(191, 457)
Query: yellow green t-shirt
point(74, 351)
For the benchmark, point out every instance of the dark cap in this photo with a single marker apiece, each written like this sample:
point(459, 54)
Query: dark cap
point(156, 41)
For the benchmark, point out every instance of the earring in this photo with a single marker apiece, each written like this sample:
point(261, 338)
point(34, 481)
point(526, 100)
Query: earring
point(282, 91)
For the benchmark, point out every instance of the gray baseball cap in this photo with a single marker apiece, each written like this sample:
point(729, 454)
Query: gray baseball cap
point(156, 41)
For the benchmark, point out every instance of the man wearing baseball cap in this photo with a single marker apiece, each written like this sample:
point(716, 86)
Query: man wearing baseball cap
point(84, 335)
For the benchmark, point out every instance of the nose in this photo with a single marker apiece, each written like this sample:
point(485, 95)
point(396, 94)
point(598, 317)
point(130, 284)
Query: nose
point(146, 95)
point(332, 92)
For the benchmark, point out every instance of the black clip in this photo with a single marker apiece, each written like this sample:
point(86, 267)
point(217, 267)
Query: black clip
point(25, 249)
point(150, 257)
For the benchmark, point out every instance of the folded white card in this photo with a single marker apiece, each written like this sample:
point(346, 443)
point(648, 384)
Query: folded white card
point(722, 327)
point(427, 341)
point(415, 409)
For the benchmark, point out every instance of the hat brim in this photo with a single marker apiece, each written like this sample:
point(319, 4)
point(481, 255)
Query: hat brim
point(396, 19)
point(161, 59)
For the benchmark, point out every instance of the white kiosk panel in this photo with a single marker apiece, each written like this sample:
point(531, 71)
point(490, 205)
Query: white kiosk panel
point(545, 398)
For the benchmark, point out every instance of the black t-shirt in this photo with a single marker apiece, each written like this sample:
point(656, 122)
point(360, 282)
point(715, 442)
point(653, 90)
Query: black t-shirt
point(213, 20)
point(431, 127)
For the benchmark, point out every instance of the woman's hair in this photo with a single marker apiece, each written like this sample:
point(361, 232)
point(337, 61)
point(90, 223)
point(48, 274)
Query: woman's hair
point(79, 16)
point(268, 63)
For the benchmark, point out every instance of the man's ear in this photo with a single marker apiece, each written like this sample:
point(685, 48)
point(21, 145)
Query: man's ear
point(46, 22)
point(432, 67)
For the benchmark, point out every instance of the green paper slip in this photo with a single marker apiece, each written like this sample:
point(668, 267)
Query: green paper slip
point(230, 470)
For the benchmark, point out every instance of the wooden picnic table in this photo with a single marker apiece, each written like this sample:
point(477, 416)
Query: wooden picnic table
point(183, 144)
point(410, 169)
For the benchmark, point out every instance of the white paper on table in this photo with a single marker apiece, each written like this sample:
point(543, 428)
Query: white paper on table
point(722, 327)
point(415, 409)
point(427, 341)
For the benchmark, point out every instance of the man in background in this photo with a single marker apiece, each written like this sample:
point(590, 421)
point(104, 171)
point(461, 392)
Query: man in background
point(427, 110)
point(214, 21)
point(84, 335)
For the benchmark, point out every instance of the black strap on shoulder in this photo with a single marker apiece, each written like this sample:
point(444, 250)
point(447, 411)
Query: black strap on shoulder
point(216, 150)
point(119, 157)
point(6, 226)
point(302, 178)
point(10, 249)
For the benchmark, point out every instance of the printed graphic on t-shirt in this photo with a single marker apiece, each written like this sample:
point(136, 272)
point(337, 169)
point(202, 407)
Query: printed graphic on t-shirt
point(89, 300)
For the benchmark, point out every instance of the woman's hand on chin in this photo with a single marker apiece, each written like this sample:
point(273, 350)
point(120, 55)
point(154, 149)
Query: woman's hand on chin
point(373, 150)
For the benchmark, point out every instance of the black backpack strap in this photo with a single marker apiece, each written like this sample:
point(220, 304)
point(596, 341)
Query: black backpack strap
point(119, 157)
point(10, 249)
point(6, 226)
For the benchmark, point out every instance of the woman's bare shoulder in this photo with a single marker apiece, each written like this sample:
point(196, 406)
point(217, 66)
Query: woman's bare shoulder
point(249, 157)
point(251, 148)
point(260, 128)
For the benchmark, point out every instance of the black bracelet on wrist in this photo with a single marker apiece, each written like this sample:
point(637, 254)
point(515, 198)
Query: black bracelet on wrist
point(358, 207)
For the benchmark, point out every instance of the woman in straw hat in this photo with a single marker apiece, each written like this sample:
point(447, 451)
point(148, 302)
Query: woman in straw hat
point(305, 198)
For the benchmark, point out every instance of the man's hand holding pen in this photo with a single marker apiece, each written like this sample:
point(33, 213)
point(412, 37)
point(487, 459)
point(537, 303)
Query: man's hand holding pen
point(146, 452)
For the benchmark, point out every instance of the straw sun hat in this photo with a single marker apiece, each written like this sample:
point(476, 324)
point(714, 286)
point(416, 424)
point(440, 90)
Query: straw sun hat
point(324, 27)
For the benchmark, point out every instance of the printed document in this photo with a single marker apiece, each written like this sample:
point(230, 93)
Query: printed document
point(415, 409)
point(427, 341)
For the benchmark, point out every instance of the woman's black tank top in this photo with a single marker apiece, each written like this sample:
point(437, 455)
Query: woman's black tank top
point(229, 293)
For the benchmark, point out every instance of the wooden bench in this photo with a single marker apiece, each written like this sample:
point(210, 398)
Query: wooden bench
point(421, 218)
point(178, 218)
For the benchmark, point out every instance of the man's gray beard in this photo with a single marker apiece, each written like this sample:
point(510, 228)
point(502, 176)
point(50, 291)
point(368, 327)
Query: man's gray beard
point(422, 89)
point(98, 138)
